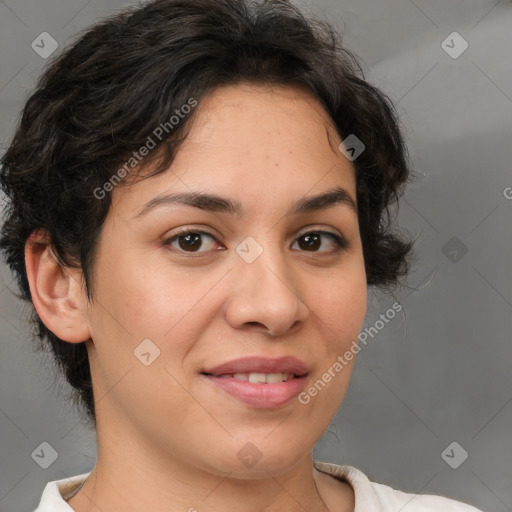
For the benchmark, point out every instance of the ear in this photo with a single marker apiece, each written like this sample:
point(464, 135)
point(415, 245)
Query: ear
point(57, 291)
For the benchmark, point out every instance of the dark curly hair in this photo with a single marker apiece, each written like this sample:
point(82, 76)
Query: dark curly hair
point(102, 98)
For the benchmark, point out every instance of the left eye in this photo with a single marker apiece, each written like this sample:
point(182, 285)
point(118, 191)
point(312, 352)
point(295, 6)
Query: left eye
point(190, 241)
point(312, 239)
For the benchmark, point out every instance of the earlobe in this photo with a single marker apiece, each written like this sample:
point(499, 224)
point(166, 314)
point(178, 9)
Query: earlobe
point(57, 295)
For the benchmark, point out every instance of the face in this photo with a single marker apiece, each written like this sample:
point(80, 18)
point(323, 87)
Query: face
point(269, 280)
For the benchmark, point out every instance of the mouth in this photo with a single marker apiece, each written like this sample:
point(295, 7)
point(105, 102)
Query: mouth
point(259, 382)
point(257, 377)
point(256, 366)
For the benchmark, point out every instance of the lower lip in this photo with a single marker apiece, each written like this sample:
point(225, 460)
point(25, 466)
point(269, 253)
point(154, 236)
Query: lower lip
point(261, 396)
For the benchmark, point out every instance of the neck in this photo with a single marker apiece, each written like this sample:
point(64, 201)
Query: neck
point(104, 492)
point(137, 482)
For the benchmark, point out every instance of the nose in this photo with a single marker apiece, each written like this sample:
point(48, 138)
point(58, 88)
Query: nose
point(264, 296)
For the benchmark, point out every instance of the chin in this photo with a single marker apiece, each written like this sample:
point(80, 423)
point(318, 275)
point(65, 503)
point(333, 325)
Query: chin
point(260, 458)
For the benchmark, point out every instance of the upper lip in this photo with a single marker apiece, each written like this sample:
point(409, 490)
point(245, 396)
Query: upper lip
point(288, 364)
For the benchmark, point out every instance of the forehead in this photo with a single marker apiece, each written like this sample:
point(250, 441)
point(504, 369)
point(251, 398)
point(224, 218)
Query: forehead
point(250, 115)
point(251, 140)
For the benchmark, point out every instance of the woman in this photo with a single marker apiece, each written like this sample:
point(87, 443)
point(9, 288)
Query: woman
point(199, 197)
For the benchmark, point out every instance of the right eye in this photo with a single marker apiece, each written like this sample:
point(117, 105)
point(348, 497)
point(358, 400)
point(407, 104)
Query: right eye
point(188, 240)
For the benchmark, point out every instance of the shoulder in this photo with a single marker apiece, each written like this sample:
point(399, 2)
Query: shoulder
point(56, 492)
point(382, 498)
point(393, 499)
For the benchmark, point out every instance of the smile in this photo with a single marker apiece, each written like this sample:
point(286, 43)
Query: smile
point(260, 378)
point(259, 390)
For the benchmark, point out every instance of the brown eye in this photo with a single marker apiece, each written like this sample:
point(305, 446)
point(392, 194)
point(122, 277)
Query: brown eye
point(313, 240)
point(188, 240)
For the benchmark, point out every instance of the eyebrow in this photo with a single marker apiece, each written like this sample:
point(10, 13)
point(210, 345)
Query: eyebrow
point(215, 203)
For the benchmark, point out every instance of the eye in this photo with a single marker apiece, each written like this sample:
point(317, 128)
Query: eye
point(188, 240)
point(191, 241)
point(312, 240)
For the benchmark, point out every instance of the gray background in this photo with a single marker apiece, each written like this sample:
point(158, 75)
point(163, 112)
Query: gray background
point(439, 375)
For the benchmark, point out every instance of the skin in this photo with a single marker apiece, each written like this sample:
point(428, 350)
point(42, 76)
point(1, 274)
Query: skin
point(166, 439)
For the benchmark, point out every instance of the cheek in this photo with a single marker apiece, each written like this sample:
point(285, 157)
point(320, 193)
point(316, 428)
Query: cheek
point(340, 305)
point(147, 299)
point(339, 309)
point(154, 304)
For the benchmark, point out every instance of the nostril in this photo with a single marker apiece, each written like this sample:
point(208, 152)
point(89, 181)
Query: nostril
point(256, 324)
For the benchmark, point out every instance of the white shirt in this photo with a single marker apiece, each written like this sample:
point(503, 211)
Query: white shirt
point(369, 496)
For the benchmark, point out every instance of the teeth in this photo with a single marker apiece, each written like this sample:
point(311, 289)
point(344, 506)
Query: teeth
point(257, 378)
point(272, 378)
point(263, 378)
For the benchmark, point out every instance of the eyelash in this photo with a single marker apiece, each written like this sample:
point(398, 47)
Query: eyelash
point(340, 241)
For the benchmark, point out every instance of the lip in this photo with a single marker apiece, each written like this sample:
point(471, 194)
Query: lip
point(259, 395)
point(288, 364)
